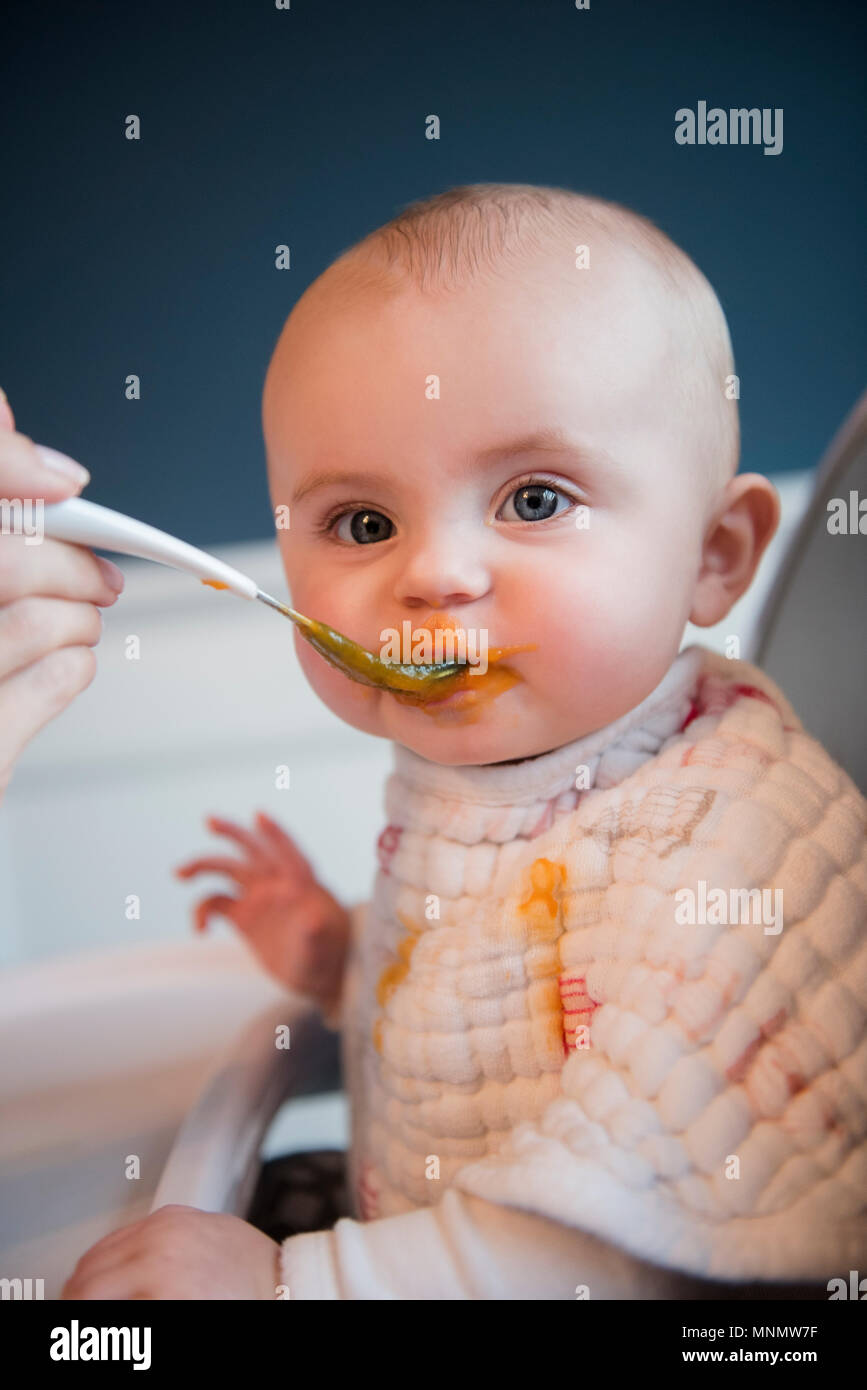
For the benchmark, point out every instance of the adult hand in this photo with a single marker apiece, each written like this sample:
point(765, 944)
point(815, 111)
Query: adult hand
point(50, 596)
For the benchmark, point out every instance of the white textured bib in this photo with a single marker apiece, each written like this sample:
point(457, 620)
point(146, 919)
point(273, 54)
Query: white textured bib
point(527, 1017)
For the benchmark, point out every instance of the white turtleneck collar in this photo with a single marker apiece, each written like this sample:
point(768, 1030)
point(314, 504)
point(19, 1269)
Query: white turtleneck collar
point(609, 753)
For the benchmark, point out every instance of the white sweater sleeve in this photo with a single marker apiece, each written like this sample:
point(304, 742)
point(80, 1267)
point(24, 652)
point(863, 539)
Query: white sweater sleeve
point(464, 1248)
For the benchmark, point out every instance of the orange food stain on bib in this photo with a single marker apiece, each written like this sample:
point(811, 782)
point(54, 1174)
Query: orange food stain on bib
point(395, 973)
point(542, 910)
point(545, 876)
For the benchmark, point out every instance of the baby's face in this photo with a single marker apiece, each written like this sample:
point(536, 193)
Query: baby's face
point(553, 409)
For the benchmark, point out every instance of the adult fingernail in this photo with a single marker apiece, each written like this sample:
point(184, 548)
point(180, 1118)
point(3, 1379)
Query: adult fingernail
point(111, 574)
point(62, 463)
point(3, 397)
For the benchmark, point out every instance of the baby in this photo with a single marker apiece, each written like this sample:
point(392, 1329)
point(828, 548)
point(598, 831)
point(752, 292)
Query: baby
point(581, 1060)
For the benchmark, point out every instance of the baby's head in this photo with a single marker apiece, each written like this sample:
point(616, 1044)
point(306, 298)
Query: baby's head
point(468, 415)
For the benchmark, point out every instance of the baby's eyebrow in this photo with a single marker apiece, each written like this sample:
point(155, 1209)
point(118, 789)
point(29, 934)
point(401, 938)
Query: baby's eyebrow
point(550, 439)
point(331, 478)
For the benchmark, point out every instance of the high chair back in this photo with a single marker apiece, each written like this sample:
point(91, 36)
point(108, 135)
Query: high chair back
point(812, 633)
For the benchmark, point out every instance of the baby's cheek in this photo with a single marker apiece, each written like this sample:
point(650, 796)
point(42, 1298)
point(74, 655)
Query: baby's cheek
point(601, 655)
point(351, 701)
point(573, 625)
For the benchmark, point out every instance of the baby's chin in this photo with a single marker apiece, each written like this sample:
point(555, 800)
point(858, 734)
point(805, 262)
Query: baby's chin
point(500, 723)
point(459, 735)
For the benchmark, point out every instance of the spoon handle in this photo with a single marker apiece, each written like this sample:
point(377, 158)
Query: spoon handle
point(87, 523)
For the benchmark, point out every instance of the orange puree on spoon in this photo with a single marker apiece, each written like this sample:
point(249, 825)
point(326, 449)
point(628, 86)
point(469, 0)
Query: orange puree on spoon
point(409, 682)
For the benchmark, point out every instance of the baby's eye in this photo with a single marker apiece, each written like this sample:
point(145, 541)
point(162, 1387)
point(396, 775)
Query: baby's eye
point(364, 527)
point(534, 502)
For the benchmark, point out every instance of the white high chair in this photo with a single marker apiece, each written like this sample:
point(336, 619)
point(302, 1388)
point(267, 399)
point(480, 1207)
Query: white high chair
point(810, 638)
point(812, 634)
point(217, 1154)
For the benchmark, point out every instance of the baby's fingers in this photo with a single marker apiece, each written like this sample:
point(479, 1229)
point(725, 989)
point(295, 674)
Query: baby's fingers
point(218, 905)
point(281, 845)
point(244, 838)
point(243, 913)
point(243, 874)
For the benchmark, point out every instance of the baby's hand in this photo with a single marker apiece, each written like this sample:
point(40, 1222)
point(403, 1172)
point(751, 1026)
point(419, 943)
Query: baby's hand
point(179, 1252)
point(297, 929)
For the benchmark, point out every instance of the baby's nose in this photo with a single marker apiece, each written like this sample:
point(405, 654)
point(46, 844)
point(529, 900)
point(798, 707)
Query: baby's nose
point(443, 575)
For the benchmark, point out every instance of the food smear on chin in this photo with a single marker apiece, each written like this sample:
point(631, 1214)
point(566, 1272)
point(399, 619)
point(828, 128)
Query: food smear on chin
point(477, 691)
point(477, 688)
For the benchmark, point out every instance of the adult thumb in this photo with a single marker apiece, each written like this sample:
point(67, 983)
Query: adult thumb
point(7, 419)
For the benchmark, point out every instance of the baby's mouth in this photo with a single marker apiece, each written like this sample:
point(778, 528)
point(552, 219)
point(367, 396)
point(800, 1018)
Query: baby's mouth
point(467, 687)
point(420, 683)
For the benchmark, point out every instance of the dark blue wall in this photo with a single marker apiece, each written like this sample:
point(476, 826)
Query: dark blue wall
point(306, 126)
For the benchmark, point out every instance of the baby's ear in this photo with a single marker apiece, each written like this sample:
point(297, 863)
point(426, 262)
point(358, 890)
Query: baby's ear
point(743, 522)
